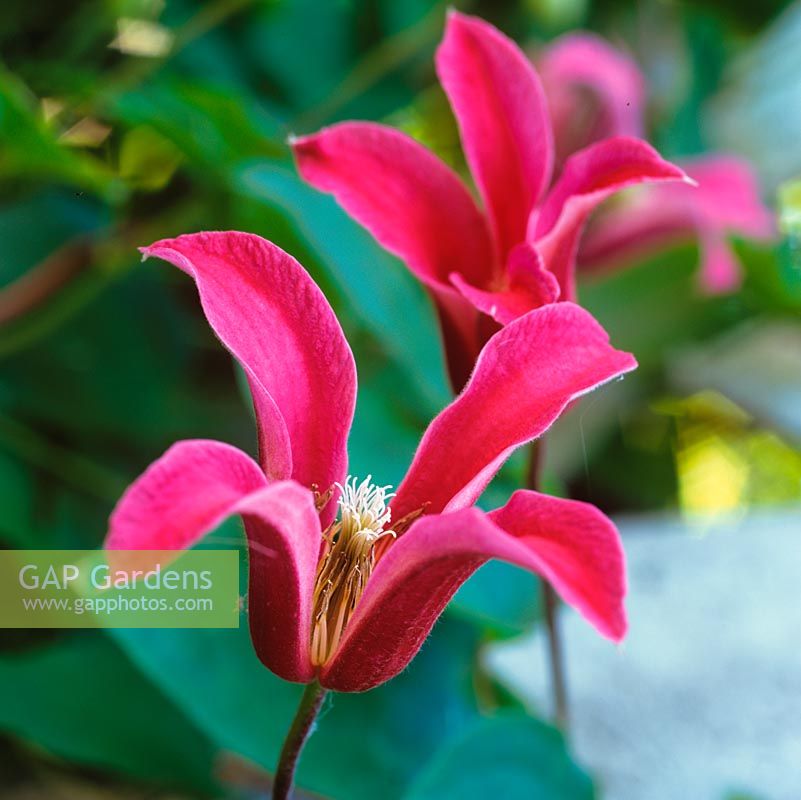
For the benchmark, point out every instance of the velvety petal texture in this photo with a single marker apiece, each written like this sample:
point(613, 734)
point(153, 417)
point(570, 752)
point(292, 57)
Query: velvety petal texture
point(505, 262)
point(189, 491)
point(503, 119)
point(413, 203)
point(524, 378)
point(418, 209)
point(186, 493)
point(273, 318)
point(527, 285)
point(277, 323)
point(517, 254)
point(570, 544)
point(589, 177)
point(577, 550)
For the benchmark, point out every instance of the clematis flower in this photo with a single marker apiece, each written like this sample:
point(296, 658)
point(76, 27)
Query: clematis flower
point(484, 267)
point(347, 578)
point(595, 92)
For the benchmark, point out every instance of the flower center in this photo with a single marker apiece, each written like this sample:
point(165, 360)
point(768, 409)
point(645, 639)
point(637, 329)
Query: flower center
point(345, 567)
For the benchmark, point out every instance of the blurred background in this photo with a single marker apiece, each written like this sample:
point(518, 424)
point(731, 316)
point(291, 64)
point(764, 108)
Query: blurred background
point(125, 121)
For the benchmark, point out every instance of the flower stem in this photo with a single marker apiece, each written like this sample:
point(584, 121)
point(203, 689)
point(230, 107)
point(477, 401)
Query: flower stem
point(299, 732)
point(551, 608)
point(555, 656)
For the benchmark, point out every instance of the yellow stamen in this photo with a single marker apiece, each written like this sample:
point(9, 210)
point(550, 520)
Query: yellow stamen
point(345, 568)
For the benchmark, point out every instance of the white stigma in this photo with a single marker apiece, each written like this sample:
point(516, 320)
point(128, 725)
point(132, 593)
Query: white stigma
point(363, 507)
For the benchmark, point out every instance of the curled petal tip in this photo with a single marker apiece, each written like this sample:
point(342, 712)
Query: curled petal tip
point(145, 251)
point(300, 140)
point(631, 364)
point(305, 144)
point(249, 290)
point(150, 249)
point(618, 633)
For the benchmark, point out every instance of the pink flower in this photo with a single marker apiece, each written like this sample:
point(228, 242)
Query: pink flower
point(346, 579)
point(483, 267)
point(595, 92)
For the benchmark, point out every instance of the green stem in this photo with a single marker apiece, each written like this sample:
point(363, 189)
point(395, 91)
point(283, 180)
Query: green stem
point(299, 732)
point(555, 656)
point(550, 603)
point(390, 54)
point(73, 469)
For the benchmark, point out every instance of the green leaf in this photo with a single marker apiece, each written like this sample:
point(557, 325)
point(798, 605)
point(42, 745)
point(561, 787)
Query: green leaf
point(122, 379)
point(82, 700)
point(502, 599)
point(512, 757)
point(384, 436)
point(24, 241)
point(379, 291)
point(17, 501)
point(657, 303)
point(147, 159)
point(305, 74)
point(207, 124)
point(30, 148)
point(366, 745)
point(772, 275)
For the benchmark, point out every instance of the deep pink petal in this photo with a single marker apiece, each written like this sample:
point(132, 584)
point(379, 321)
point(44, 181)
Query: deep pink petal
point(524, 378)
point(284, 537)
point(182, 496)
point(728, 195)
point(413, 204)
point(589, 177)
point(503, 119)
point(636, 225)
point(579, 552)
point(528, 285)
point(726, 201)
point(720, 270)
point(275, 320)
point(594, 91)
point(571, 544)
point(190, 490)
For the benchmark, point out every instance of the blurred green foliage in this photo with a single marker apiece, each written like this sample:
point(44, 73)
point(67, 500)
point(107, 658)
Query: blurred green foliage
point(124, 121)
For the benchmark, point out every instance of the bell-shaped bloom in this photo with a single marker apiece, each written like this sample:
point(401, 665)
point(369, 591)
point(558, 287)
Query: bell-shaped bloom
point(347, 579)
point(484, 266)
point(596, 92)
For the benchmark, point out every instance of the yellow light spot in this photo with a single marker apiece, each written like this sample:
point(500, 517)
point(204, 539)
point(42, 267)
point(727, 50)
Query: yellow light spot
point(86, 132)
point(142, 37)
point(51, 108)
point(712, 477)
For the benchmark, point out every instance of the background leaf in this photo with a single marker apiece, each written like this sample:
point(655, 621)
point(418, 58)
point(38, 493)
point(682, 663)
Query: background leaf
point(512, 756)
point(126, 725)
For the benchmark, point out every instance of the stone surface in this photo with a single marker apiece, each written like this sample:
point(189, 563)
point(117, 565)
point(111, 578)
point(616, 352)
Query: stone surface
point(703, 699)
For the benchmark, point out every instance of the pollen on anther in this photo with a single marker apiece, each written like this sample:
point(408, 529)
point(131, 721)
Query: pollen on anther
point(348, 562)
